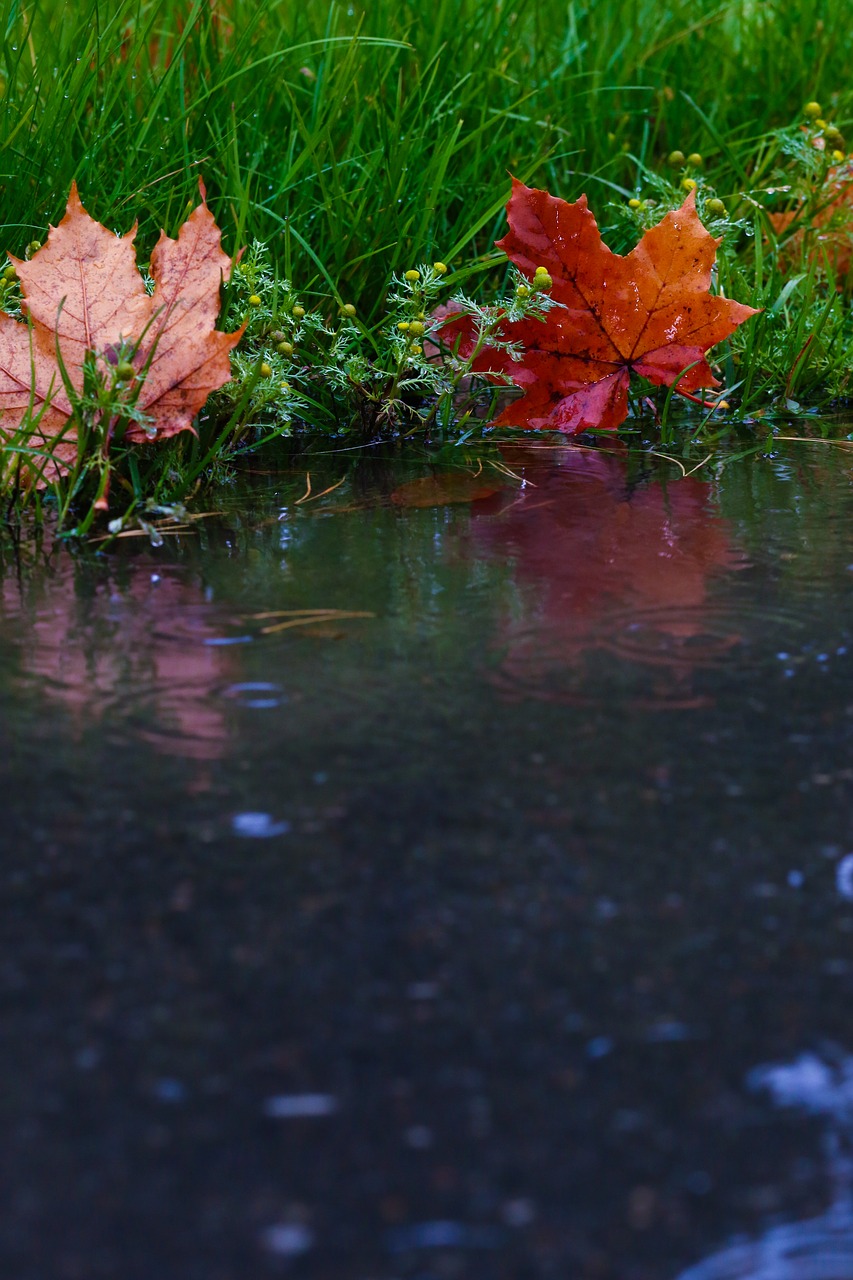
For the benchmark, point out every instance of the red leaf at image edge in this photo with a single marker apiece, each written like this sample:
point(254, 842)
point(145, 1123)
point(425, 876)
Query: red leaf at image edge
point(649, 312)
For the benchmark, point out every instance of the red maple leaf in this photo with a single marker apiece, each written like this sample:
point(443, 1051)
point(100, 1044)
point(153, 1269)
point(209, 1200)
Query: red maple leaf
point(649, 312)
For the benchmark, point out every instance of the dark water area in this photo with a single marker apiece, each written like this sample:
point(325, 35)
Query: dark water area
point(495, 926)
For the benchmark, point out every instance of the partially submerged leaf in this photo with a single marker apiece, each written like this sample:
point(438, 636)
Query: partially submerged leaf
point(82, 292)
point(650, 312)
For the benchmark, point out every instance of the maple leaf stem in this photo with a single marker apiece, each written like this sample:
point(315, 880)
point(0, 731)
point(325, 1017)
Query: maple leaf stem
point(706, 404)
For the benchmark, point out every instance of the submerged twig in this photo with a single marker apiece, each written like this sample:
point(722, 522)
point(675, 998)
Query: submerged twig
point(319, 615)
point(684, 472)
point(309, 497)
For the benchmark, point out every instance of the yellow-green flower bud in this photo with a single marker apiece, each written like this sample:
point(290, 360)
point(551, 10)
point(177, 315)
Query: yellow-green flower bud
point(541, 271)
point(440, 268)
point(403, 326)
point(716, 207)
point(298, 313)
point(416, 327)
point(285, 349)
point(416, 349)
point(266, 370)
point(675, 159)
point(820, 124)
point(838, 156)
point(635, 204)
point(254, 301)
point(542, 280)
point(11, 272)
point(348, 310)
point(812, 110)
point(695, 160)
point(522, 291)
point(688, 184)
point(413, 275)
point(125, 371)
point(32, 247)
point(285, 386)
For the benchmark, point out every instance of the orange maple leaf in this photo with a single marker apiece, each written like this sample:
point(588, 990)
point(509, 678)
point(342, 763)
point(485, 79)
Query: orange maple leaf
point(82, 292)
point(649, 312)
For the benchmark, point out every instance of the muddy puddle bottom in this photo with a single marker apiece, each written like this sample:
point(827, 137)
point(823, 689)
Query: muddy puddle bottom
point(396, 891)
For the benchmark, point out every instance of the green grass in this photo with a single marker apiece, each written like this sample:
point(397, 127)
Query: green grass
point(360, 139)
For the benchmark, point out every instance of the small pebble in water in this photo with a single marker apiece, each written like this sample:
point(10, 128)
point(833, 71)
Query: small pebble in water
point(296, 1106)
point(668, 1031)
point(419, 1137)
point(443, 1235)
point(422, 990)
point(259, 826)
point(288, 1239)
point(599, 1047)
point(844, 876)
point(169, 1091)
point(519, 1212)
point(255, 694)
point(699, 1183)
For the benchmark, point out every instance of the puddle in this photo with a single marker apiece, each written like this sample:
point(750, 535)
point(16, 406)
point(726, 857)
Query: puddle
point(454, 883)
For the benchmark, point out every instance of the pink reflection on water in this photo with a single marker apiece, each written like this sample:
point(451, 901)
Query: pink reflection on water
point(130, 650)
point(604, 565)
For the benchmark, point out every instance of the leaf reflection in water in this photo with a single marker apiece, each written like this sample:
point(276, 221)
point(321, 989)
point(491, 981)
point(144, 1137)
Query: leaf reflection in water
point(129, 652)
point(820, 1248)
point(602, 564)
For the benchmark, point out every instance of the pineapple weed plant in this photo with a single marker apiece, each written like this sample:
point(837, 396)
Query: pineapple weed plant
point(309, 363)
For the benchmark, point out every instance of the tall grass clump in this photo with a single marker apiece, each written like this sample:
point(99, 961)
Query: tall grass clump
point(356, 141)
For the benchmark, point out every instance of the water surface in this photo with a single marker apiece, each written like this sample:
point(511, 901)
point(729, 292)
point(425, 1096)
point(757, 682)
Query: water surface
point(494, 922)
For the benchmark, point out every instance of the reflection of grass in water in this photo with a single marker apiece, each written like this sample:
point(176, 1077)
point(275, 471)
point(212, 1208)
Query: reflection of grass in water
point(820, 1248)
